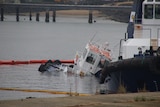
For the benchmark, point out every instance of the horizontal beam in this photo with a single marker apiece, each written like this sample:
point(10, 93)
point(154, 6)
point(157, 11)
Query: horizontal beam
point(66, 7)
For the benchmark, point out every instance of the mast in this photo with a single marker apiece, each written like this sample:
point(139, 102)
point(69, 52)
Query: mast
point(136, 16)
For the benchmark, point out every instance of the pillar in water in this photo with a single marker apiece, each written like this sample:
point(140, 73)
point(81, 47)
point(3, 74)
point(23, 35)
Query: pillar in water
point(17, 14)
point(54, 16)
point(30, 15)
point(2, 14)
point(47, 16)
point(90, 16)
point(37, 16)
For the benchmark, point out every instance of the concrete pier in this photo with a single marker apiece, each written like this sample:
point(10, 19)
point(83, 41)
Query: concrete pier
point(24, 7)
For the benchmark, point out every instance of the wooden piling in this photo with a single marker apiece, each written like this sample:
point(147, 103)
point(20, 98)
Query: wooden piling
point(47, 16)
point(54, 16)
point(90, 16)
point(30, 15)
point(17, 14)
point(2, 14)
point(37, 16)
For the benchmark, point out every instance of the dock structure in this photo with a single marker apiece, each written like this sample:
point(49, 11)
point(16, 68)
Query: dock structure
point(26, 7)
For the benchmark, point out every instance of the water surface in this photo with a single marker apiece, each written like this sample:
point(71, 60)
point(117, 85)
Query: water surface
point(27, 40)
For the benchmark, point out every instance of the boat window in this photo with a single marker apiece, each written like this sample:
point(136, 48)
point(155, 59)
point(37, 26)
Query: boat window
point(148, 11)
point(102, 63)
point(157, 11)
point(91, 58)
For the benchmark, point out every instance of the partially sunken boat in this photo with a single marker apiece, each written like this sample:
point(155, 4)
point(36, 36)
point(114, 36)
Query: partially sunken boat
point(89, 62)
point(93, 59)
point(138, 67)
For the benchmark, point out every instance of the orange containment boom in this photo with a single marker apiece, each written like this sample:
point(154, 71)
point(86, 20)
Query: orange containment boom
point(15, 62)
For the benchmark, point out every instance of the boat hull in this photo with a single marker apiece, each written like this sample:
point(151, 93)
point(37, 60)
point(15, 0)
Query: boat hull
point(135, 74)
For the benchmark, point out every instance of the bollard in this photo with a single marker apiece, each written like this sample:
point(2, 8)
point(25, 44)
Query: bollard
point(30, 15)
point(54, 16)
point(90, 16)
point(37, 16)
point(2, 14)
point(47, 16)
point(17, 14)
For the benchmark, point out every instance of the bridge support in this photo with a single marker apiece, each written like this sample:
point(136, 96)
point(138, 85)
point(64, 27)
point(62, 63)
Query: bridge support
point(37, 16)
point(17, 14)
point(30, 15)
point(2, 14)
point(54, 16)
point(90, 16)
point(47, 16)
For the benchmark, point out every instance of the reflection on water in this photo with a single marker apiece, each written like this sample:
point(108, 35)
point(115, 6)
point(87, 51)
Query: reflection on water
point(9, 95)
point(28, 77)
point(72, 82)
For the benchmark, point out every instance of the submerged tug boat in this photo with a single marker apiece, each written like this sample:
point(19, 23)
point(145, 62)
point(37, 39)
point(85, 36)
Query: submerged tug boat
point(138, 67)
point(92, 60)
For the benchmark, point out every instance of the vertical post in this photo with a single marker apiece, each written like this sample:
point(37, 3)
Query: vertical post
point(156, 86)
point(2, 14)
point(47, 16)
point(17, 14)
point(37, 16)
point(30, 15)
point(112, 1)
point(54, 16)
point(90, 16)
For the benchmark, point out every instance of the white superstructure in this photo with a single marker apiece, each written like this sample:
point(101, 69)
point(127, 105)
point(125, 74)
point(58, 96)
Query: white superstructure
point(93, 58)
point(146, 34)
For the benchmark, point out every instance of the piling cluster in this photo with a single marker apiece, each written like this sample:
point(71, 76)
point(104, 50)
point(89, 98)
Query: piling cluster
point(47, 15)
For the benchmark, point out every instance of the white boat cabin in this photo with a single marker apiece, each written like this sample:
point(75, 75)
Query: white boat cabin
point(146, 34)
point(92, 59)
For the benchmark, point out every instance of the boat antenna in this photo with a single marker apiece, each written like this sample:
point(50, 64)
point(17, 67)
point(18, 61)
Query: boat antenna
point(93, 37)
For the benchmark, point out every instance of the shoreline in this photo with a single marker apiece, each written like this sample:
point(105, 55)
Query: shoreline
point(76, 13)
point(144, 99)
point(110, 14)
point(71, 13)
point(119, 16)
